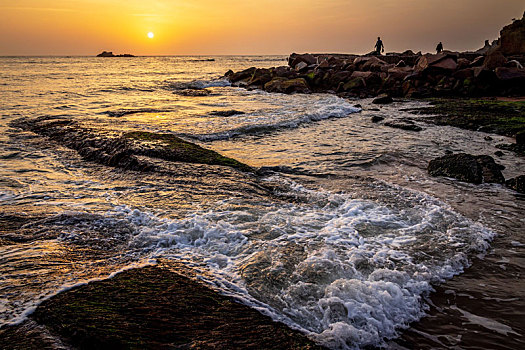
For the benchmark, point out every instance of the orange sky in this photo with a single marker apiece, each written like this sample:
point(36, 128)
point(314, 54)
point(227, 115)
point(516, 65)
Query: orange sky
point(86, 27)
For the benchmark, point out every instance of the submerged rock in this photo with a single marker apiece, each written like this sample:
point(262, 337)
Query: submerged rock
point(404, 124)
point(517, 184)
point(376, 118)
point(134, 150)
point(382, 99)
point(227, 113)
point(468, 168)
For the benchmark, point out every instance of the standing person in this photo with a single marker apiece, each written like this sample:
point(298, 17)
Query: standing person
point(439, 48)
point(379, 46)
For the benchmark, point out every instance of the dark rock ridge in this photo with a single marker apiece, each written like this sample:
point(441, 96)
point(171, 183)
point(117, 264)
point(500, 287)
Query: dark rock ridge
point(155, 307)
point(135, 150)
point(111, 54)
point(493, 70)
point(468, 168)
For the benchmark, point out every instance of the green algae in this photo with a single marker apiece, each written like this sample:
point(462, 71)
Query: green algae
point(489, 115)
point(156, 307)
point(184, 151)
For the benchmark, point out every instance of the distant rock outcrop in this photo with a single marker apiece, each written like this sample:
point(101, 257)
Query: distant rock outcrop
point(111, 54)
point(512, 40)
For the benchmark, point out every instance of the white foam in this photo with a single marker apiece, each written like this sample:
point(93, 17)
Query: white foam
point(296, 112)
point(359, 271)
point(198, 84)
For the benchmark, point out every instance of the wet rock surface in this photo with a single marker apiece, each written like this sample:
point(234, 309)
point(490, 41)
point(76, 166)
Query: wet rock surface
point(517, 184)
point(468, 168)
point(149, 308)
point(503, 117)
point(135, 150)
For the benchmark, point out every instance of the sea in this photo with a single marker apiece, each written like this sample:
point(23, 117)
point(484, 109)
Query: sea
point(355, 245)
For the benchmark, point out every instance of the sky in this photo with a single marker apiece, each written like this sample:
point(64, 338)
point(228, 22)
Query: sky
point(222, 27)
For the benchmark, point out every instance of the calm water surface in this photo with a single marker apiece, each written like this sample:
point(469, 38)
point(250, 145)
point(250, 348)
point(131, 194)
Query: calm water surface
point(348, 249)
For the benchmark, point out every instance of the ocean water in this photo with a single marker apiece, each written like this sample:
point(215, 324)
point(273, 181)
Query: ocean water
point(348, 248)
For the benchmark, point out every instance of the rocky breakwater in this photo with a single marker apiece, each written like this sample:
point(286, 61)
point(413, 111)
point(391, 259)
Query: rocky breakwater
point(496, 70)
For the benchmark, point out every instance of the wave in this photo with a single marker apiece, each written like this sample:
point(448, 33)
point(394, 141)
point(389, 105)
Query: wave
point(196, 84)
point(267, 123)
point(348, 272)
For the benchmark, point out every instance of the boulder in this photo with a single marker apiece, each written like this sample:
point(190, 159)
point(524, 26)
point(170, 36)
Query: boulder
point(517, 184)
point(468, 168)
point(260, 77)
point(514, 75)
point(494, 59)
point(514, 64)
point(401, 64)
point(301, 66)
point(282, 71)
point(382, 99)
point(478, 61)
point(242, 75)
point(376, 118)
point(287, 86)
point(399, 73)
point(485, 76)
point(463, 74)
point(445, 62)
point(373, 64)
point(463, 63)
point(512, 38)
point(307, 58)
point(354, 84)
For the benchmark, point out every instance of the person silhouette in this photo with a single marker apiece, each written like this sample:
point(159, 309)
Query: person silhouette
point(439, 47)
point(379, 46)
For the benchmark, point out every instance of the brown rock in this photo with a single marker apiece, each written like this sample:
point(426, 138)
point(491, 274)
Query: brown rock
point(478, 61)
point(512, 39)
point(301, 66)
point(494, 59)
point(401, 64)
point(287, 86)
point(242, 75)
point(510, 74)
point(382, 99)
point(399, 73)
point(354, 84)
point(464, 73)
point(463, 63)
point(441, 62)
point(307, 58)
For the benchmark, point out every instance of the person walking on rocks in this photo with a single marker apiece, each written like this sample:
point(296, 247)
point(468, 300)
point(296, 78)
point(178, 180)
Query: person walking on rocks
point(439, 48)
point(379, 46)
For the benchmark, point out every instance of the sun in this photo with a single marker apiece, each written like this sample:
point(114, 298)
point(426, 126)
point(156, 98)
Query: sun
point(151, 35)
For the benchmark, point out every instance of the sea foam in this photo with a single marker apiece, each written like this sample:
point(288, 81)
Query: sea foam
point(348, 272)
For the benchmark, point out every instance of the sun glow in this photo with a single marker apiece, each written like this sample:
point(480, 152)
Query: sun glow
point(151, 35)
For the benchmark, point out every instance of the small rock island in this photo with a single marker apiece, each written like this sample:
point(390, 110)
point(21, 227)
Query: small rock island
point(111, 54)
